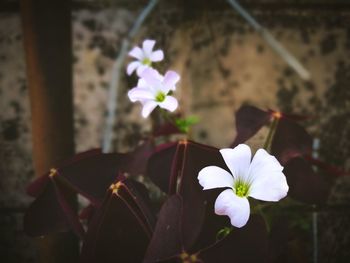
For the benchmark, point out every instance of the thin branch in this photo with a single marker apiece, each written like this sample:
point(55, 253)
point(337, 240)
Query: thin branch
point(116, 73)
point(272, 41)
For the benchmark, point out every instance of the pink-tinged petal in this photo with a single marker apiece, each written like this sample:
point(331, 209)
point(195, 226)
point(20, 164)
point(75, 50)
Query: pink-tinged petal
point(132, 67)
point(157, 56)
point(237, 159)
point(214, 177)
point(170, 80)
point(152, 77)
point(236, 208)
point(170, 103)
point(148, 107)
point(140, 94)
point(268, 183)
point(137, 53)
point(147, 47)
point(140, 69)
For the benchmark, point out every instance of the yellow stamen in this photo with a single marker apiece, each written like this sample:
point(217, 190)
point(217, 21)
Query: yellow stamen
point(53, 172)
point(115, 187)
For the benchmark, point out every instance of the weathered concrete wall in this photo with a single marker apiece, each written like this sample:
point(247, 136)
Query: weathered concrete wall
point(223, 63)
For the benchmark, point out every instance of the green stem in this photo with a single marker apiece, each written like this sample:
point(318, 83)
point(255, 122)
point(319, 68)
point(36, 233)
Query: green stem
point(270, 135)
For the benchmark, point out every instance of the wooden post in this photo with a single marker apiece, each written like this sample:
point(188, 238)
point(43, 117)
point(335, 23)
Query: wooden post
point(48, 46)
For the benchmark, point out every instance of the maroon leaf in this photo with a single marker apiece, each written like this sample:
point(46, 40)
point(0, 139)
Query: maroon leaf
point(291, 116)
point(136, 161)
point(159, 167)
point(166, 239)
point(330, 169)
point(45, 215)
point(246, 244)
point(91, 175)
point(196, 205)
point(304, 184)
point(35, 188)
point(70, 215)
point(290, 140)
point(115, 233)
point(249, 120)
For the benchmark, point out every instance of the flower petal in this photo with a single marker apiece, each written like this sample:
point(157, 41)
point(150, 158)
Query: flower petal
point(140, 69)
point(147, 47)
point(157, 55)
point(268, 181)
point(170, 80)
point(152, 77)
point(170, 103)
point(236, 208)
point(136, 52)
point(140, 94)
point(237, 159)
point(214, 177)
point(148, 107)
point(132, 66)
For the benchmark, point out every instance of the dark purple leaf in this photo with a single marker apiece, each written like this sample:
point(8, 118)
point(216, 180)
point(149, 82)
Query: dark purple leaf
point(45, 214)
point(246, 244)
point(115, 233)
point(249, 120)
point(159, 167)
point(35, 188)
point(291, 116)
point(304, 184)
point(278, 240)
point(93, 174)
point(330, 169)
point(290, 140)
point(70, 215)
point(166, 239)
point(196, 208)
point(136, 161)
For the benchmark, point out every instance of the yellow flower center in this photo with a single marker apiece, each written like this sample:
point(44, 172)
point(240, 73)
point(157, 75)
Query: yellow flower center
point(241, 189)
point(160, 96)
point(146, 62)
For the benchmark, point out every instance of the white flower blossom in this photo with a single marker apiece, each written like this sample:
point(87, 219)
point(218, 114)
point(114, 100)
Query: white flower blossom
point(261, 178)
point(144, 57)
point(153, 90)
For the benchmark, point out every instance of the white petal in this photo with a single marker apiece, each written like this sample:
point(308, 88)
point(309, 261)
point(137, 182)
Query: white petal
point(237, 160)
point(141, 83)
point(140, 94)
point(268, 181)
point(152, 77)
point(140, 69)
point(136, 52)
point(157, 55)
point(148, 107)
point(237, 208)
point(170, 103)
point(214, 177)
point(132, 66)
point(170, 80)
point(147, 47)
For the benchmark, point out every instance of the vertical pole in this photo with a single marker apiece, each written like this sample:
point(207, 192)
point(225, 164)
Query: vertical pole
point(48, 48)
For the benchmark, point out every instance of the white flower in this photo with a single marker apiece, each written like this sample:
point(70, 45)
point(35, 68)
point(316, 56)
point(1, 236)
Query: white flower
point(152, 90)
point(144, 56)
point(261, 178)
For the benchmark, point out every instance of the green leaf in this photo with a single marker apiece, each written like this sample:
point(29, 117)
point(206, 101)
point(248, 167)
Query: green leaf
point(185, 124)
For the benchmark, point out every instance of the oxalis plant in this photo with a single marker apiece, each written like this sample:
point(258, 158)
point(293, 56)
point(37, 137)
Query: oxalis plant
point(218, 205)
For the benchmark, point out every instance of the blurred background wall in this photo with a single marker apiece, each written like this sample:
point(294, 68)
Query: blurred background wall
point(223, 63)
